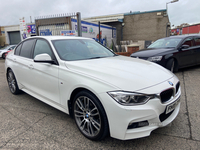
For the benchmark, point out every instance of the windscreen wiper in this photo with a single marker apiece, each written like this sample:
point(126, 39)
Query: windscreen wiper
point(95, 57)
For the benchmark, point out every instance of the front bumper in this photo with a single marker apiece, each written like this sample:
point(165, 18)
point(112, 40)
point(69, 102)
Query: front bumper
point(120, 116)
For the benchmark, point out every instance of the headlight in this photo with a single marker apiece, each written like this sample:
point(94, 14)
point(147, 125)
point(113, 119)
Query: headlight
point(128, 98)
point(155, 59)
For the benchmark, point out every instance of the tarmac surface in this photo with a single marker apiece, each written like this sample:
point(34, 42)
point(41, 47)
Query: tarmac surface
point(27, 123)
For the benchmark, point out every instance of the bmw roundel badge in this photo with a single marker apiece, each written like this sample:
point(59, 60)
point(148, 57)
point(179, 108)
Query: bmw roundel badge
point(170, 83)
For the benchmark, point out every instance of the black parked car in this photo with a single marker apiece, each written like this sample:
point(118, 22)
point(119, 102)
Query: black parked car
point(173, 52)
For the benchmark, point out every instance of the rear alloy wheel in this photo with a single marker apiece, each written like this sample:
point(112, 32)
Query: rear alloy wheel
point(12, 83)
point(90, 116)
point(170, 65)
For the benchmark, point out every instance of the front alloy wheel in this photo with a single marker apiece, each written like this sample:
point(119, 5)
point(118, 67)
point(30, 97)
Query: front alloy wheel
point(90, 116)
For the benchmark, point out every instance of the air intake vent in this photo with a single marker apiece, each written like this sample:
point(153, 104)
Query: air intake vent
point(166, 95)
point(177, 86)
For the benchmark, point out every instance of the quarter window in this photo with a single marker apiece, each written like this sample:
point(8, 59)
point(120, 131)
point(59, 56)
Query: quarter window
point(26, 48)
point(11, 48)
point(17, 50)
point(197, 41)
point(42, 47)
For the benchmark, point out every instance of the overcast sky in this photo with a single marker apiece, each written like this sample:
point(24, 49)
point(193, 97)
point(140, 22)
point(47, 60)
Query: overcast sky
point(183, 11)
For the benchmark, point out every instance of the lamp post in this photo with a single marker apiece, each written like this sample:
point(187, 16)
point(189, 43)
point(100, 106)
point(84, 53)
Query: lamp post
point(168, 3)
point(168, 24)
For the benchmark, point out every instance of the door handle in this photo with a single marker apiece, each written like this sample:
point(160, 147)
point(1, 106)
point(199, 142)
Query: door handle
point(14, 59)
point(31, 66)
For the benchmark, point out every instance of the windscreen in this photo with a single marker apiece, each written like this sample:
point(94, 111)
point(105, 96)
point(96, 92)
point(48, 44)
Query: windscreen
point(165, 43)
point(80, 49)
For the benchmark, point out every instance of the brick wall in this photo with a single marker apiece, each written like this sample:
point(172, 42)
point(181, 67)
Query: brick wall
point(130, 51)
point(144, 26)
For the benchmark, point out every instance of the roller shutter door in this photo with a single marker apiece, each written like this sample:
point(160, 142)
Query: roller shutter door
point(14, 37)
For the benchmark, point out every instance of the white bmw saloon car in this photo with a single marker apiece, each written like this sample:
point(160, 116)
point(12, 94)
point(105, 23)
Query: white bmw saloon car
point(105, 93)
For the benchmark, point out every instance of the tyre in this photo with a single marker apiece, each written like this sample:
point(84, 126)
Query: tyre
point(170, 65)
point(90, 116)
point(3, 55)
point(12, 83)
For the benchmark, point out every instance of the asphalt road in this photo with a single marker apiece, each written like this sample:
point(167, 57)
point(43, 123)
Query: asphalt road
point(27, 123)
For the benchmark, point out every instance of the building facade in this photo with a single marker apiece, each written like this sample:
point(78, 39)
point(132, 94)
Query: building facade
point(190, 29)
point(135, 26)
point(10, 35)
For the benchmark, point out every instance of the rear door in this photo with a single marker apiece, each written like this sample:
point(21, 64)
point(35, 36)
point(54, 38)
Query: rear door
point(22, 63)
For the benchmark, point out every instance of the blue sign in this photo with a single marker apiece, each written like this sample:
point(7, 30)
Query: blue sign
point(83, 28)
point(114, 33)
point(31, 29)
point(45, 32)
point(68, 32)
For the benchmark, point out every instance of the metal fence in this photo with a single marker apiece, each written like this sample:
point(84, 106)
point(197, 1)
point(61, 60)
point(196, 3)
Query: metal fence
point(60, 24)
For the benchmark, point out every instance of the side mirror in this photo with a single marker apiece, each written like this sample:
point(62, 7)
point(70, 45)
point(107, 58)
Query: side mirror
point(43, 58)
point(184, 47)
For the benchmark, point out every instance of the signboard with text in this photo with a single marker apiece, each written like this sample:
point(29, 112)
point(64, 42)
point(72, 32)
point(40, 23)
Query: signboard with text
point(23, 28)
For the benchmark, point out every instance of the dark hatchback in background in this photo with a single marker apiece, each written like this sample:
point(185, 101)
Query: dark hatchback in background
point(173, 52)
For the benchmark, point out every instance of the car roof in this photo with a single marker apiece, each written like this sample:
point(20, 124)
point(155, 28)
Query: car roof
point(182, 36)
point(58, 37)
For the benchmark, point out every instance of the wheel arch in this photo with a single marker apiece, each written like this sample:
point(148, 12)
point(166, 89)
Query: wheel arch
point(175, 63)
point(7, 70)
point(3, 55)
point(73, 94)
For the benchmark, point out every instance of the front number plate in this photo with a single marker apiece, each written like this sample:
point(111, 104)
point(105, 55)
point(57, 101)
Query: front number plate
point(172, 106)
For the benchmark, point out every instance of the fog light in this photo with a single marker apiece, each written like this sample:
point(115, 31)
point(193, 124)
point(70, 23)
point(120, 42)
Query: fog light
point(138, 124)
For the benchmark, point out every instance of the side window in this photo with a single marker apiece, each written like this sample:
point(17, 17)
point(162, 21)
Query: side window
point(197, 41)
point(11, 48)
point(27, 48)
point(42, 47)
point(188, 41)
point(17, 50)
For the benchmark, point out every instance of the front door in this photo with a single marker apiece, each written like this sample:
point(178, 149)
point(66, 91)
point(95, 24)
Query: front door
point(187, 56)
point(45, 75)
